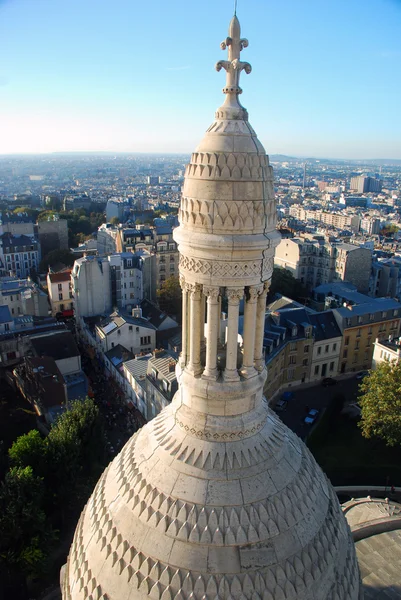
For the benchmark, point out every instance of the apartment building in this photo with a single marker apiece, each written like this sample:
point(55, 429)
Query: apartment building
point(134, 333)
point(360, 326)
point(315, 261)
point(19, 255)
point(288, 342)
point(23, 297)
point(386, 350)
point(59, 288)
point(161, 382)
point(385, 280)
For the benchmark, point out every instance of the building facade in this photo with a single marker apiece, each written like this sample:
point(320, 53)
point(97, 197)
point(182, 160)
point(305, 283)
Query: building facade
point(59, 288)
point(360, 326)
point(315, 261)
point(19, 255)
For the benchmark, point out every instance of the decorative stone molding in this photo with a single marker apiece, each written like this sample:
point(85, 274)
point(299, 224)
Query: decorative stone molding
point(238, 216)
point(221, 269)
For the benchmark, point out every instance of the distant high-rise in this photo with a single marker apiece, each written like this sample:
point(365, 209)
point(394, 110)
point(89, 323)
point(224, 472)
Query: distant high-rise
point(362, 184)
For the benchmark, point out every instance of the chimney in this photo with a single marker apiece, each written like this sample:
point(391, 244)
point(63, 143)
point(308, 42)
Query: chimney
point(137, 312)
point(171, 366)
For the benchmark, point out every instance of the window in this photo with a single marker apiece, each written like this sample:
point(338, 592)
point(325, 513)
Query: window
point(130, 328)
point(317, 370)
point(355, 359)
point(319, 350)
point(357, 345)
point(60, 296)
point(345, 353)
point(305, 362)
point(145, 340)
point(346, 341)
point(368, 341)
point(171, 246)
point(395, 312)
point(326, 349)
point(334, 347)
point(384, 314)
point(358, 333)
point(119, 332)
point(290, 374)
point(370, 330)
point(293, 360)
point(59, 287)
point(371, 317)
point(332, 366)
point(366, 355)
point(293, 346)
point(306, 348)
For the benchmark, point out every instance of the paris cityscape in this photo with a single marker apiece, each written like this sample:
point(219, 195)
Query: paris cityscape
point(200, 346)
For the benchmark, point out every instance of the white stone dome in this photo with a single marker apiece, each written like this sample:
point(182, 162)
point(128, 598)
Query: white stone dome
point(215, 498)
point(188, 512)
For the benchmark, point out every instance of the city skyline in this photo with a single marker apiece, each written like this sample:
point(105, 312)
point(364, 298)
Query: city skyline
point(74, 83)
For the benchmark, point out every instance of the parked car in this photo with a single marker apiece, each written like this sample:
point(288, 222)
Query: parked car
point(311, 416)
point(362, 374)
point(327, 381)
point(281, 406)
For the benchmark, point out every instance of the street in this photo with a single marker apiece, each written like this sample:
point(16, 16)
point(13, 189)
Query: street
point(306, 397)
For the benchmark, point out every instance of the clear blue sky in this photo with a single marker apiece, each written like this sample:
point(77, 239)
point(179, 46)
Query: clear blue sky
point(125, 75)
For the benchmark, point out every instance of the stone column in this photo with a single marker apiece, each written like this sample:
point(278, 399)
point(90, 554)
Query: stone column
point(184, 351)
point(248, 369)
point(234, 296)
point(213, 321)
point(260, 327)
point(194, 365)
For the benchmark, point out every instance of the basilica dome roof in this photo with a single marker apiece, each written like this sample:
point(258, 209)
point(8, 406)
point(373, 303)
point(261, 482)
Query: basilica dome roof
point(215, 498)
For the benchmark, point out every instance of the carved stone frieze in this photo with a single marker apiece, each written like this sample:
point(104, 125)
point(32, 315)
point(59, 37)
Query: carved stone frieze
point(220, 268)
point(237, 216)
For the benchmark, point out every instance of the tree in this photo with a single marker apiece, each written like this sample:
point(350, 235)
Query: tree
point(170, 297)
point(114, 220)
point(389, 230)
point(284, 283)
point(29, 450)
point(381, 403)
point(24, 533)
point(75, 445)
point(55, 257)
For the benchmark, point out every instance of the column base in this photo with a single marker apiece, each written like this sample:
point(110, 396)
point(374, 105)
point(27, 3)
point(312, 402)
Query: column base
point(194, 370)
point(248, 372)
point(211, 374)
point(259, 364)
point(231, 375)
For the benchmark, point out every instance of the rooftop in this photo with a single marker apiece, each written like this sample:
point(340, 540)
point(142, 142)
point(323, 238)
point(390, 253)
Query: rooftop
point(58, 345)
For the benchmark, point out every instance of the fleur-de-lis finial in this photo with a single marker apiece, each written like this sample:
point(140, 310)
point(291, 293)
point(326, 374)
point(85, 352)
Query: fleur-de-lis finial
point(234, 43)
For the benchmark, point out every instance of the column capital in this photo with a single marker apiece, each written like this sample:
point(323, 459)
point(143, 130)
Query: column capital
point(253, 292)
point(234, 295)
point(211, 292)
point(194, 289)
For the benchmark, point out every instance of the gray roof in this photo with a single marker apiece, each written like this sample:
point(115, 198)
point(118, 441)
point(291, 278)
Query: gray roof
point(375, 305)
point(138, 367)
point(119, 320)
point(161, 362)
point(324, 326)
point(59, 345)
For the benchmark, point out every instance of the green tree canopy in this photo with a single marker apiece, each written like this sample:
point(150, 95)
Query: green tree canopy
point(380, 402)
point(170, 297)
point(55, 257)
point(114, 220)
point(29, 450)
point(24, 534)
